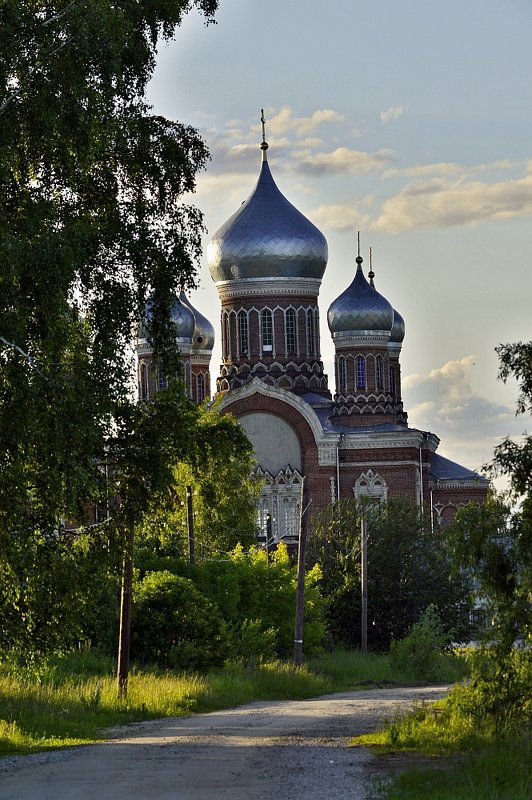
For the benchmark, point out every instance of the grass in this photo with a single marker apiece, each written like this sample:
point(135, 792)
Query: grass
point(490, 743)
point(73, 700)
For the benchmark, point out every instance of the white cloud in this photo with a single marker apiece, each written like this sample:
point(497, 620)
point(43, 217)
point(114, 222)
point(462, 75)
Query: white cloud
point(393, 113)
point(444, 168)
point(344, 160)
point(284, 121)
point(444, 203)
point(468, 425)
point(339, 217)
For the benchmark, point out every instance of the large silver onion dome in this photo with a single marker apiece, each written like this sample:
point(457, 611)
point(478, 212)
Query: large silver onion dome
point(183, 319)
point(360, 308)
point(203, 335)
point(398, 328)
point(267, 238)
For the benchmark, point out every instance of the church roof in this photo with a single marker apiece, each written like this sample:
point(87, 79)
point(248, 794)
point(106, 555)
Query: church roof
point(267, 237)
point(443, 469)
point(360, 309)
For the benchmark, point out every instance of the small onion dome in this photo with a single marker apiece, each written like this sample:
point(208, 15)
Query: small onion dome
point(267, 238)
point(398, 328)
point(183, 319)
point(360, 309)
point(203, 336)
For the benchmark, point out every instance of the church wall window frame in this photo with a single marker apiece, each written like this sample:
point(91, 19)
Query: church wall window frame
point(200, 387)
point(162, 380)
point(393, 382)
point(342, 375)
point(243, 333)
point(311, 332)
point(360, 376)
point(144, 381)
point(290, 324)
point(266, 330)
point(379, 372)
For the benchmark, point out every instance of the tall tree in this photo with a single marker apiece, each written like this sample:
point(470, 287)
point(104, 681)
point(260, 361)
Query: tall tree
point(408, 570)
point(91, 227)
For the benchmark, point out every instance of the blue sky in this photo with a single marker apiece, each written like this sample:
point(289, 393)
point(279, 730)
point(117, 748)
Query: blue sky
point(411, 122)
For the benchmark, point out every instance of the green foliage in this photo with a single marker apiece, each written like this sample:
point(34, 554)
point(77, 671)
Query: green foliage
point(91, 227)
point(256, 598)
point(421, 650)
point(174, 625)
point(408, 569)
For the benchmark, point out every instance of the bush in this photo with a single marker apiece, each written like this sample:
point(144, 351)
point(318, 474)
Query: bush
point(175, 625)
point(420, 652)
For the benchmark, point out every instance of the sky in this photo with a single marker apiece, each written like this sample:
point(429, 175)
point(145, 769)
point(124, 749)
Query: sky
point(410, 122)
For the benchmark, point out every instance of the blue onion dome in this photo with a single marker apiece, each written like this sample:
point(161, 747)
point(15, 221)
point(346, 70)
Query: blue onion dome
point(360, 309)
point(267, 238)
point(203, 335)
point(183, 319)
point(398, 328)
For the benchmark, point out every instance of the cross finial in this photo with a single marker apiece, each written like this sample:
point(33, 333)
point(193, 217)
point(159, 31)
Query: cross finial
point(371, 274)
point(264, 144)
point(359, 258)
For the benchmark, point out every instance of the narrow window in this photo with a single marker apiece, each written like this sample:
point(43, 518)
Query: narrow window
point(342, 376)
point(243, 332)
point(162, 381)
point(188, 378)
point(361, 372)
point(379, 372)
point(392, 380)
point(310, 331)
point(144, 389)
point(290, 322)
point(226, 337)
point(266, 329)
point(200, 388)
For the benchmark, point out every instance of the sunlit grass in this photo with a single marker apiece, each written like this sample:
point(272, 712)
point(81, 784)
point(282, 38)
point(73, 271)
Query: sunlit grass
point(73, 700)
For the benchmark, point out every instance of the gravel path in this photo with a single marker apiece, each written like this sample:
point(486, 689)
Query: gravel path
point(266, 750)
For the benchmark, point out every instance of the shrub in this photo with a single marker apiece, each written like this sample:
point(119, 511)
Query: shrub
point(175, 625)
point(421, 650)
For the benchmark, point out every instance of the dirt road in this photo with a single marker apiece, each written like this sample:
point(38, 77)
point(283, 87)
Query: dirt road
point(292, 750)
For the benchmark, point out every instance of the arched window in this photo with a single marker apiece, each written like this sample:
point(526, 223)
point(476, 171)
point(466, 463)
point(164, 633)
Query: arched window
point(392, 380)
point(361, 372)
point(379, 373)
point(342, 374)
point(310, 331)
point(243, 342)
point(226, 337)
point(188, 378)
point(266, 327)
point(162, 381)
point(144, 386)
point(200, 388)
point(290, 325)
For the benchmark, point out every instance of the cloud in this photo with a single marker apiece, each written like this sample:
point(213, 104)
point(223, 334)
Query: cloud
point(444, 168)
point(344, 160)
point(339, 217)
point(468, 425)
point(444, 203)
point(284, 121)
point(393, 113)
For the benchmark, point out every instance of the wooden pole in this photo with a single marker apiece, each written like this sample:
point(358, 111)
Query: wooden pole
point(364, 584)
point(124, 637)
point(190, 527)
point(300, 590)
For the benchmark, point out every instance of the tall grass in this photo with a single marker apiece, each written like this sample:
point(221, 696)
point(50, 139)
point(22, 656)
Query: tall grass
point(72, 700)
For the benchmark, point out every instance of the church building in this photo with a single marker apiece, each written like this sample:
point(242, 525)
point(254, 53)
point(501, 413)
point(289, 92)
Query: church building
point(267, 262)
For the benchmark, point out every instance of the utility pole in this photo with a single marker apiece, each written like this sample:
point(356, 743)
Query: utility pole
point(300, 590)
point(364, 583)
point(126, 597)
point(190, 526)
point(269, 535)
